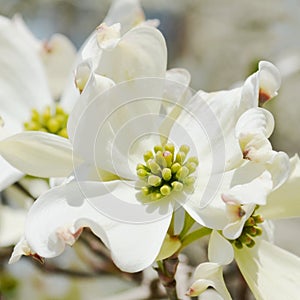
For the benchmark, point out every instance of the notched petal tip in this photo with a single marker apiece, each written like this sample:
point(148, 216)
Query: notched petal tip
point(191, 292)
point(23, 248)
point(108, 36)
point(68, 235)
point(269, 81)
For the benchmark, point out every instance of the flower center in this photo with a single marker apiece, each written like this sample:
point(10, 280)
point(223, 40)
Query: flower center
point(165, 171)
point(250, 231)
point(49, 121)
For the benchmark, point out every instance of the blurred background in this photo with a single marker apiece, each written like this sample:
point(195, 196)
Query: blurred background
point(220, 43)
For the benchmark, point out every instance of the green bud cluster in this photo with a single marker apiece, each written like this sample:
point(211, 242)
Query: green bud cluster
point(250, 231)
point(48, 121)
point(165, 171)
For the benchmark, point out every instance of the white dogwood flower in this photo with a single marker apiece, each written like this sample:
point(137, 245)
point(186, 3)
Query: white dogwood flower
point(137, 166)
point(208, 275)
point(38, 69)
point(262, 263)
point(32, 68)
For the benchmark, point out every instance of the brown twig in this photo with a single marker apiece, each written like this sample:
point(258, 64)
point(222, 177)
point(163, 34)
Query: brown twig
point(166, 273)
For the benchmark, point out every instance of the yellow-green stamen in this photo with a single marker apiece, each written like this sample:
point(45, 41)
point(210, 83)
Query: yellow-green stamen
point(49, 121)
point(250, 231)
point(165, 171)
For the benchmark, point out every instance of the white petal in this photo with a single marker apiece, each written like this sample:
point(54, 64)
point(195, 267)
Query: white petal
point(129, 13)
point(285, 201)
point(39, 154)
point(141, 52)
point(255, 120)
point(219, 249)
point(126, 120)
point(253, 192)
point(279, 167)
point(211, 118)
point(209, 274)
point(8, 174)
point(58, 55)
point(26, 33)
point(266, 266)
point(176, 95)
point(270, 81)
point(57, 216)
point(261, 86)
point(23, 83)
point(108, 37)
point(91, 87)
point(252, 129)
point(181, 79)
point(11, 225)
point(21, 248)
point(234, 229)
point(206, 206)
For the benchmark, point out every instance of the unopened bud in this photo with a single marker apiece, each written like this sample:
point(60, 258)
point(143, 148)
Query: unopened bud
point(166, 174)
point(154, 180)
point(165, 190)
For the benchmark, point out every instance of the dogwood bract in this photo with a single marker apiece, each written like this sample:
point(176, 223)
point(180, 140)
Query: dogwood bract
point(261, 262)
point(31, 106)
point(138, 163)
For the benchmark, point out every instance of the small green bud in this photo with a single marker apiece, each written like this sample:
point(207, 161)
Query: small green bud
point(141, 166)
point(46, 115)
point(158, 148)
point(189, 181)
point(180, 157)
point(177, 186)
point(245, 239)
point(63, 133)
point(182, 173)
point(154, 167)
point(250, 222)
point(154, 180)
point(166, 174)
point(148, 155)
point(251, 244)
point(156, 196)
point(259, 231)
point(165, 190)
point(185, 149)
point(170, 148)
point(194, 160)
point(168, 156)
point(191, 166)
point(258, 219)
point(142, 173)
point(35, 116)
point(145, 190)
point(250, 230)
point(32, 125)
point(238, 244)
point(159, 158)
point(175, 167)
point(53, 125)
point(59, 110)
